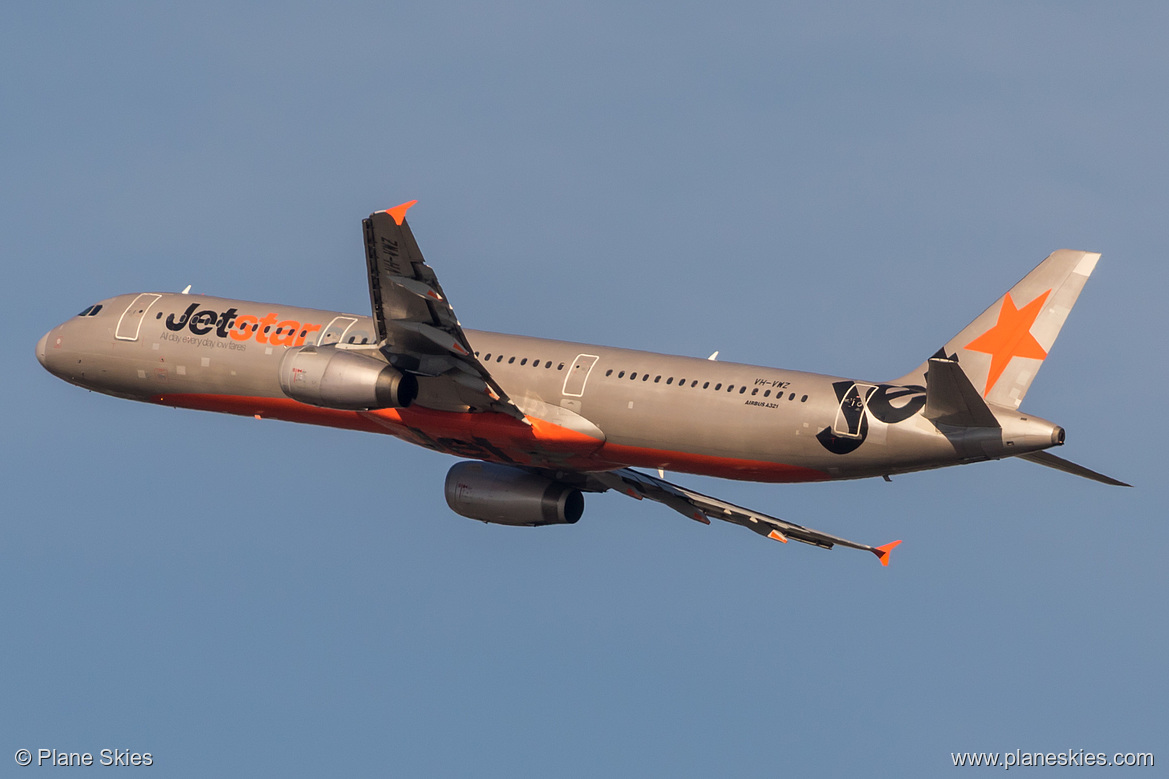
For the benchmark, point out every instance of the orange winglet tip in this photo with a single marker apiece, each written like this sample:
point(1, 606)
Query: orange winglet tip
point(778, 536)
point(399, 212)
point(882, 552)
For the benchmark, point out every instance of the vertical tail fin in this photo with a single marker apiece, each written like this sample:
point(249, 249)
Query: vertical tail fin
point(1002, 350)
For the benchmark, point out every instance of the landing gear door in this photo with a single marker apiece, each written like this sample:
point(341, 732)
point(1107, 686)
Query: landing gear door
point(851, 414)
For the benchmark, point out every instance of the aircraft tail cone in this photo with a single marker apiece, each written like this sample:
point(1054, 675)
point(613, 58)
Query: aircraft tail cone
point(882, 552)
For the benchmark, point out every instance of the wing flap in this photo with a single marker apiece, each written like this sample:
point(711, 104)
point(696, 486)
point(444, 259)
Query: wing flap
point(703, 508)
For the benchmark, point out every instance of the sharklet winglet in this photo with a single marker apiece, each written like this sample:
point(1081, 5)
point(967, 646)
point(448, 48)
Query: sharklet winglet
point(398, 213)
point(882, 552)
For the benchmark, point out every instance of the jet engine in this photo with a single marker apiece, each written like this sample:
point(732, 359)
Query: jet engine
point(335, 378)
point(510, 496)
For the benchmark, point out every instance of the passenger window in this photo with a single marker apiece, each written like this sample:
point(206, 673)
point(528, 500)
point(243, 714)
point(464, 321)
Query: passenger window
point(549, 365)
point(755, 391)
point(560, 367)
point(705, 384)
point(718, 386)
point(158, 315)
point(767, 393)
point(510, 360)
point(487, 358)
point(804, 399)
point(633, 376)
point(694, 384)
point(730, 388)
point(657, 379)
point(524, 361)
point(621, 375)
point(645, 377)
point(499, 358)
point(791, 396)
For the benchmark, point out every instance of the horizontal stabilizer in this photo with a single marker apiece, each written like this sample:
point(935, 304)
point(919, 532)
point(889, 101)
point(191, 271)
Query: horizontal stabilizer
point(950, 398)
point(1060, 464)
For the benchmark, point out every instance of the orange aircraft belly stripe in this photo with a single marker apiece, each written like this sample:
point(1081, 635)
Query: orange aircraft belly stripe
point(708, 465)
point(494, 437)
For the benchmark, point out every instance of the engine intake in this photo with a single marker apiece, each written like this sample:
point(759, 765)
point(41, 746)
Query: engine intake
point(510, 496)
point(334, 378)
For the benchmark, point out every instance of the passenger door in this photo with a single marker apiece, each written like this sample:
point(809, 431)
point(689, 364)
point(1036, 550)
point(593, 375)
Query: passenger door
point(578, 375)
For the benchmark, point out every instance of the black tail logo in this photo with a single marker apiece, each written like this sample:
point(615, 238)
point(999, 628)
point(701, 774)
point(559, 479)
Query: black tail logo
point(887, 403)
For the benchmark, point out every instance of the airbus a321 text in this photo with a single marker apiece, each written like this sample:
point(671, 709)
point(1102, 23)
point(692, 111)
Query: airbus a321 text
point(540, 422)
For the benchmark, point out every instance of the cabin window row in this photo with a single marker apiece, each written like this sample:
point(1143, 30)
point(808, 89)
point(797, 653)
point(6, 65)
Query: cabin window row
point(718, 386)
point(511, 360)
point(634, 375)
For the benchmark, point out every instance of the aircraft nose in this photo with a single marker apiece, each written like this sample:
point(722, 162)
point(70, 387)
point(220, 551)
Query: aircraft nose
point(41, 349)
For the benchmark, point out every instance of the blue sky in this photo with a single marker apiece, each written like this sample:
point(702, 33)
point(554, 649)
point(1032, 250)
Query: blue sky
point(825, 187)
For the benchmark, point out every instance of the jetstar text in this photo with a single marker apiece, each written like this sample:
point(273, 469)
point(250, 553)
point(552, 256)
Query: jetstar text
point(241, 327)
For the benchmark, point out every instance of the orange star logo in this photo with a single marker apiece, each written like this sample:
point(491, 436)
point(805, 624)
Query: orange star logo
point(1010, 337)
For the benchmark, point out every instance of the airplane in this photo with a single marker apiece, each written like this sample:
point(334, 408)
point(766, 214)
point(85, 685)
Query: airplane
point(540, 422)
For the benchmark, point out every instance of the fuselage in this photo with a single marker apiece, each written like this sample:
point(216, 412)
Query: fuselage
point(591, 408)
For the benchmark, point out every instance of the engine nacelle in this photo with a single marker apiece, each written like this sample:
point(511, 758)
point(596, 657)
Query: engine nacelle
point(335, 378)
point(510, 496)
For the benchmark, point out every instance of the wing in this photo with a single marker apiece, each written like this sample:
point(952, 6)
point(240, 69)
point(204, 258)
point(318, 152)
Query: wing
point(416, 326)
point(703, 508)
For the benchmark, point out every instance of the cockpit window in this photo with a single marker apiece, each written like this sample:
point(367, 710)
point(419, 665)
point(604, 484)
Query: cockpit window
point(94, 310)
point(86, 311)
